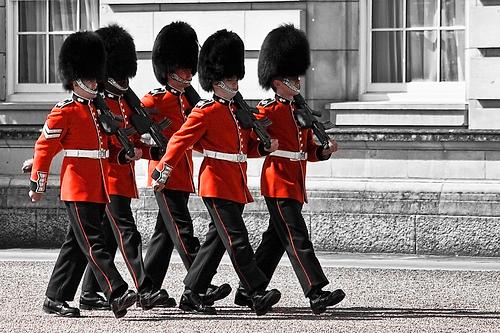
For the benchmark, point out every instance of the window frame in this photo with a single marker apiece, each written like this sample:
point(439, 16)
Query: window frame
point(31, 91)
point(411, 91)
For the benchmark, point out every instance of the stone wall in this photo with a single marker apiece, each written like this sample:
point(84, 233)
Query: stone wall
point(407, 191)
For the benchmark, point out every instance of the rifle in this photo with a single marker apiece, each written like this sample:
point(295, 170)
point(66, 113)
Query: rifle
point(111, 126)
point(142, 121)
point(192, 96)
point(246, 116)
point(307, 118)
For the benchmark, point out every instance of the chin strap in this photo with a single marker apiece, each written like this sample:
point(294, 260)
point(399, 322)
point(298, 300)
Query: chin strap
point(224, 87)
point(179, 79)
point(84, 87)
point(291, 86)
point(117, 85)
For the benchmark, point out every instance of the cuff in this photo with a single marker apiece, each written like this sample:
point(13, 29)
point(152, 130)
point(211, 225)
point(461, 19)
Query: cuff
point(161, 176)
point(121, 157)
point(156, 153)
point(39, 185)
point(320, 156)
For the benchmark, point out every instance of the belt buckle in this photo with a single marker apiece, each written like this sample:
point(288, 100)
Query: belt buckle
point(101, 154)
point(302, 155)
point(241, 158)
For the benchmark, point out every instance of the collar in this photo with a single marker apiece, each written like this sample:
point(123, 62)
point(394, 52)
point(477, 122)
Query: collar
point(283, 100)
point(172, 90)
point(109, 94)
point(221, 100)
point(80, 99)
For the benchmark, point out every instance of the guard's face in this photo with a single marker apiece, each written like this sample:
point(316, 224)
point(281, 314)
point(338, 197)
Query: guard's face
point(184, 73)
point(231, 82)
point(88, 90)
point(294, 81)
point(92, 84)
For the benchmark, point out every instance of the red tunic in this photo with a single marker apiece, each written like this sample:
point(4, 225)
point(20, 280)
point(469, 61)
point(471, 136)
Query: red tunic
point(72, 124)
point(282, 177)
point(213, 125)
point(172, 104)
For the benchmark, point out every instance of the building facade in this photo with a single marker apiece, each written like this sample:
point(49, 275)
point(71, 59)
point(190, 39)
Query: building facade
point(413, 87)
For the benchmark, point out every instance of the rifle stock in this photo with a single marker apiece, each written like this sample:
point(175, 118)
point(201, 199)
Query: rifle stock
point(111, 126)
point(317, 127)
point(142, 121)
point(258, 126)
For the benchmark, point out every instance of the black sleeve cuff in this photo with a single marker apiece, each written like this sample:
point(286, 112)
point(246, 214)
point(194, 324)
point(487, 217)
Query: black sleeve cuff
point(156, 153)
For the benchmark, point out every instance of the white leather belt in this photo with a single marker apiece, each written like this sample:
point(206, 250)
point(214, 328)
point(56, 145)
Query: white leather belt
point(96, 154)
point(225, 156)
point(292, 155)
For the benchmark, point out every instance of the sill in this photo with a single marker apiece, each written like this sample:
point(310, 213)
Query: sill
point(38, 97)
point(393, 105)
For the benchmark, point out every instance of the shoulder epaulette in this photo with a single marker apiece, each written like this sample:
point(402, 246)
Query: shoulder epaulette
point(267, 102)
point(62, 104)
point(204, 103)
point(157, 91)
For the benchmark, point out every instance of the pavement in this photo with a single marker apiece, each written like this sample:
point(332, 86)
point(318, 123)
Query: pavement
point(385, 293)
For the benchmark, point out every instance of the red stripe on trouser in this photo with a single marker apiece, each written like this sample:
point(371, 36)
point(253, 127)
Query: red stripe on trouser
point(176, 229)
point(293, 245)
point(122, 247)
point(230, 243)
point(90, 249)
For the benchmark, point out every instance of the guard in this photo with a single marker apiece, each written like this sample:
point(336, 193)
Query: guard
point(222, 178)
point(72, 126)
point(119, 224)
point(175, 58)
point(283, 58)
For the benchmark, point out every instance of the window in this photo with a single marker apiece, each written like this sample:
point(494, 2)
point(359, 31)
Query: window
point(415, 43)
point(39, 28)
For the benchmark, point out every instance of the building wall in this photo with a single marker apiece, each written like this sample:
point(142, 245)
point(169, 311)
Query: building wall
point(3, 51)
point(484, 66)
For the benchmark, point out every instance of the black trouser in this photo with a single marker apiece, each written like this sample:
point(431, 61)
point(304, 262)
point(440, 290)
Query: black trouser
point(227, 231)
point(174, 228)
point(84, 244)
point(121, 231)
point(288, 232)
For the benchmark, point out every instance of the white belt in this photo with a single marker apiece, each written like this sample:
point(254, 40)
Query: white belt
point(96, 154)
point(292, 155)
point(225, 156)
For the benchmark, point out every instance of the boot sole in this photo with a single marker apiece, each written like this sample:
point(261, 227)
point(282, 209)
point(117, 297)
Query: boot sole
point(189, 309)
point(275, 299)
point(68, 315)
point(123, 309)
point(96, 308)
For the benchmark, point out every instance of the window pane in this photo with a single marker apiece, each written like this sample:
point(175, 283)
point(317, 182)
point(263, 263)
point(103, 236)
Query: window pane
point(32, 16)
point(452, 55)
point(452, 12)
point(422, 13)
point(421, 56)
point(387, 14)
point(55, 42)
point(89, 12)
point(62, 15)
point(31, 59)
point(387, 57)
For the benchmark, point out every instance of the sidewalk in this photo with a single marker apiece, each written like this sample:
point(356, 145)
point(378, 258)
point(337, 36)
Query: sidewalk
point(385, 293)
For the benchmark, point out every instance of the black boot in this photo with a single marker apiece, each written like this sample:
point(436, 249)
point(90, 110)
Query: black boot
point(60, 308)
point(120, 304)
point(263, 301)
point(320, 299)
point(191, 302)
point(93, 301)
point(242, 298)
point(155, 299)
point(215, 293)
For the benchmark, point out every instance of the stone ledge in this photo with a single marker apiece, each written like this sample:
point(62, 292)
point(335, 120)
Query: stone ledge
point(349, 218)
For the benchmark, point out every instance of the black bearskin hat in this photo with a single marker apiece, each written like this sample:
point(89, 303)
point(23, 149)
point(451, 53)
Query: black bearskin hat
point(82, 56)
point(284, 52)
point(221, 56)
point(176, 46)
point(121, 59)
